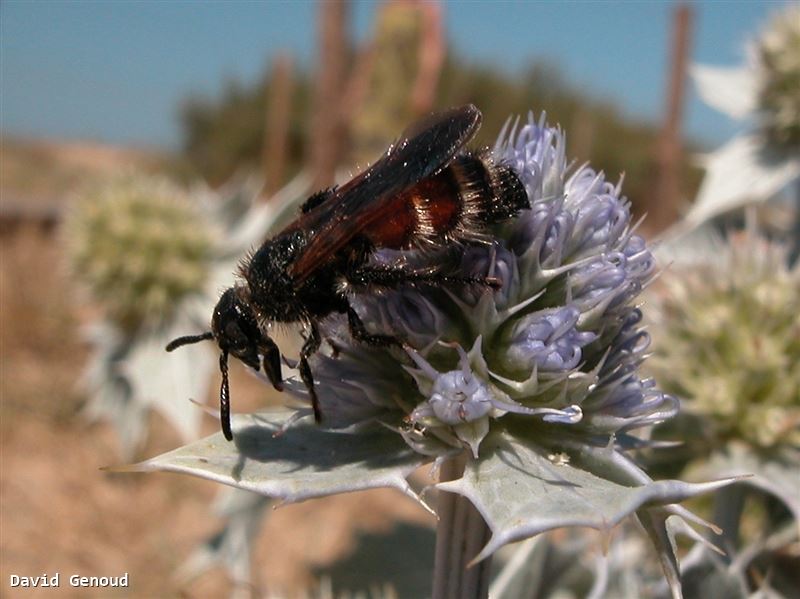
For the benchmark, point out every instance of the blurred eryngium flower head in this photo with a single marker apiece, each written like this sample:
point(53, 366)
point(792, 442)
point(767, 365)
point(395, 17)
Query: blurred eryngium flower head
point(730, 342)
point(139, 247)
point(778, 57)
point(553, 353)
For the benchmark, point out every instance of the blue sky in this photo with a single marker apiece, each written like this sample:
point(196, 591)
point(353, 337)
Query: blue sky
point(117, 71)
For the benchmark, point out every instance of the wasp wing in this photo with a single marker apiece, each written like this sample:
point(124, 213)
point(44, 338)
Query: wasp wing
point(423, 150)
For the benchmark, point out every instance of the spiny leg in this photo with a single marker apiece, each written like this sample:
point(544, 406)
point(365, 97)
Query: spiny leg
point(310, 346)
point(360, 332)
point(272, 362)
point(394, 277)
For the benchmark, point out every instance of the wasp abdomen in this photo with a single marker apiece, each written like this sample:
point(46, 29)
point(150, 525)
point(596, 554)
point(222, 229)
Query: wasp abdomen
point(456, 204)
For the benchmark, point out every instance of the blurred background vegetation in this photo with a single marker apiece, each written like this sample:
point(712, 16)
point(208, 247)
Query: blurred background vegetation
point(366, 95)
point(227, 134)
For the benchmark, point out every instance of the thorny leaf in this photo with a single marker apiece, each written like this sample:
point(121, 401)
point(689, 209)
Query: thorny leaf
point(522, 492)
point(302, 462)
point(778, 475)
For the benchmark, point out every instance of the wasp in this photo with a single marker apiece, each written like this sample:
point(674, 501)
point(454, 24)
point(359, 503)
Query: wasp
point(426, 192)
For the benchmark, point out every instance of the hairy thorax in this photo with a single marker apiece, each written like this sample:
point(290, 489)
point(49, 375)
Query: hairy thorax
point(276, 296)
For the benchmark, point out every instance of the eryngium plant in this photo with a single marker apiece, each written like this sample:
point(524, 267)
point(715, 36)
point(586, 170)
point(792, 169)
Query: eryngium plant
point(536, 385)
point(729, 342)
point(139, 247)
point(778, 55)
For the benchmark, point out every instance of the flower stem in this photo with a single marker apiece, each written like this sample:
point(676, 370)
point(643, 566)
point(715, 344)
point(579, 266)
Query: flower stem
point(460, 535)
point(728, 510)
point(794, 252)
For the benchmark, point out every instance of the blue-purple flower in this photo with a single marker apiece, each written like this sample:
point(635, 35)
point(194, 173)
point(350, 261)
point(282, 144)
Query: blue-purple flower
point(557, 343)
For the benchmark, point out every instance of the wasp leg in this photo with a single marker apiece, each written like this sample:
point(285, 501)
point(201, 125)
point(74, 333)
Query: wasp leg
point(335, 348)
point(311, 345)
point(272, 362)
point(225, 397)
point(360, 332)
point(393, 277)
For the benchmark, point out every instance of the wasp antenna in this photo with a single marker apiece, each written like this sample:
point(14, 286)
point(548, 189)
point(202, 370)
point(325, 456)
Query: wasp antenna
point(225, 398)
point(189, 339)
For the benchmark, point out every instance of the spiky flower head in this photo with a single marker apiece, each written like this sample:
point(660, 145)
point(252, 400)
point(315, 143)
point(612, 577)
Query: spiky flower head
point(139, 246)
point(778, 56)
point(730, 343)
point(553, 354)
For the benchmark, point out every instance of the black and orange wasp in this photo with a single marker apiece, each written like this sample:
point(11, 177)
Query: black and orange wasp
point(426, 191)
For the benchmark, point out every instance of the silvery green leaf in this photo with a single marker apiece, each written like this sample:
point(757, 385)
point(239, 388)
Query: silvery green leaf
point(230, 546)
point(301, 462)
point(542, 568)
point(126, 377)
point(732, 91)
point(741, 172)
point(237, 208)
point(288, 200)
point(168, 389)
point(110, 395)
point(230, 203)
point(521, 492)
point(698, 246)
point(251, 230)
point(521, 571)
point(777, 474)
point(654, 522)
point(706, 575)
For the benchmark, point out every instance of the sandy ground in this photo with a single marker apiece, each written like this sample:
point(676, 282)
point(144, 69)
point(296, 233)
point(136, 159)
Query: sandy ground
point(59, 513)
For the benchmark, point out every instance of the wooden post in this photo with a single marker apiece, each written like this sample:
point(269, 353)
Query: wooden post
point(582, 133)
point(664, 210)
point(431, 58)
point(396, 76)
point(276, 134)
point(327, 137)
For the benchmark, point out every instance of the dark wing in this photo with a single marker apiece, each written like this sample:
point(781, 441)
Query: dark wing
point(425, 148)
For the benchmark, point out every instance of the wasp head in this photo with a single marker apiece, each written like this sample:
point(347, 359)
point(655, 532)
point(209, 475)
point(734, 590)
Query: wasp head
point(235, 328)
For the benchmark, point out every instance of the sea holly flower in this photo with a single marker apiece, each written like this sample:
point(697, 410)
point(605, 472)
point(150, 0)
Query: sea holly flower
point(731, 342)
point(730, 345)
point(548, 340)
point(534, 387)
point(764, 93)
point(139, 247)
